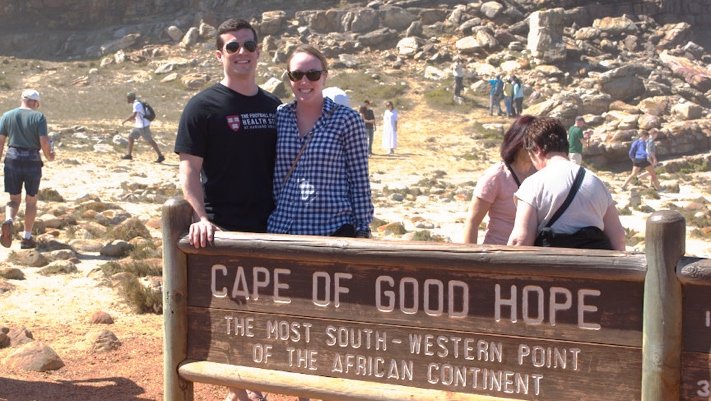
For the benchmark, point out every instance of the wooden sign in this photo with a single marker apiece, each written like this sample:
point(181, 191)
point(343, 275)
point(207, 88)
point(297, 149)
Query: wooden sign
point(696, 356)
point(363, 320)
point(462, 330)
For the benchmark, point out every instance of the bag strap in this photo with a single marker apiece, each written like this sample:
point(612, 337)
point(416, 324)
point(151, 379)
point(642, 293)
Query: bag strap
point(518, 182)
point(305, 144)
point(298, 156)
point(569, 199)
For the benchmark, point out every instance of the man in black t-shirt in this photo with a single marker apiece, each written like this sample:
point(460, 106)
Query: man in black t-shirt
point(227, 143)
point(369, 118)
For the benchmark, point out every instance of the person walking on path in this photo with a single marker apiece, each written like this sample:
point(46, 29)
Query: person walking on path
point(369, 118)
point(227, 134)
point(640, 161)
point(575, 140)
point(25, 131)
point(390, 128)
point(141, 128)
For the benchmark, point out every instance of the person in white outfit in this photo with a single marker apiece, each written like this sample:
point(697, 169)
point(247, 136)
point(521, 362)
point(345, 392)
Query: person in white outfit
point(390, 128)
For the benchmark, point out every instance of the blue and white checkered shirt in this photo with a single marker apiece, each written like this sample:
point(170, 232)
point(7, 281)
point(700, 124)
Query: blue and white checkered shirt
point(330, 186)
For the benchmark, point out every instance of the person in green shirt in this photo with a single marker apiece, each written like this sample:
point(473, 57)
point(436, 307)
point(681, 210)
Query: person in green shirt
point(25, 131)
point(575, 140)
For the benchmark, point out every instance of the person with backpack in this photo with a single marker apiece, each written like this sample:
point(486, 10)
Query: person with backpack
point(142, 114)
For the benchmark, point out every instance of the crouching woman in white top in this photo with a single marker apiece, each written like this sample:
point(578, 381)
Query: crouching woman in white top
point(541, 194)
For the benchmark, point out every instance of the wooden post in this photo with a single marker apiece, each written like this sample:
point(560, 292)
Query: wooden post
point(662, 323)
point(177, 216)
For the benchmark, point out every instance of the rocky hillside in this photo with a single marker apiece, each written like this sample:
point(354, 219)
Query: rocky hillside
point(79, 27)
point(625, 65)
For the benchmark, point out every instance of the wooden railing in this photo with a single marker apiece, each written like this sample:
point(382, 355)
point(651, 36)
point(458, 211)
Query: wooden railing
point(357, 319)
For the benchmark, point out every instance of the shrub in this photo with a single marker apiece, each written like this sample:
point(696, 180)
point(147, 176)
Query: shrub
point(49, 195)
point(129, 230)
point(426, 235)
point(137, 268)
point(140, 298)
point(631, 238)
point(145, 250)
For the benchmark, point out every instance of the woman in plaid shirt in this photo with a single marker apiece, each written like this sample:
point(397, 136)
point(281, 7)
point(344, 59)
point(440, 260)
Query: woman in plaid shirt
point(321, 184)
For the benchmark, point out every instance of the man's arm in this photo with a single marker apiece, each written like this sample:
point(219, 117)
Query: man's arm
point(525, 225)
point(131, 117)
point(2, 144)
point(46, 148)
point(202, 231)
point(613, 228)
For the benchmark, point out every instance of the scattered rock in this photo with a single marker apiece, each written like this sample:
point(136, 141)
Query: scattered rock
point(34, 356)
point(101, 317)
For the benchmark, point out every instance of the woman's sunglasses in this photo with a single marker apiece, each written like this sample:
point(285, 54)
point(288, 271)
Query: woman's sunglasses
point(233, 47)
point(311, 75)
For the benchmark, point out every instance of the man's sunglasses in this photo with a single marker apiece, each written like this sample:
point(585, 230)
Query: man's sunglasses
point(233, 47)
point(311, 75)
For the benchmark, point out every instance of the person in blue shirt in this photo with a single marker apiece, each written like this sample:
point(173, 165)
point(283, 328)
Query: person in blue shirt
point(496, 94)
point(640, 160)
point(321, 184)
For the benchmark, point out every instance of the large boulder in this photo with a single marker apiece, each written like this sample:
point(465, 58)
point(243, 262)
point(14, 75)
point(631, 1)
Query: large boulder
point(326, 21)
point(686, 111)
point(361, 20)
point(615, 25)
point(272, 23)
point(655, 105)
point(491, 9)
point(622, 83)
point(34, 356)
point(695, 75)
point(395, 18)
point(545, 35)
point(382, 37)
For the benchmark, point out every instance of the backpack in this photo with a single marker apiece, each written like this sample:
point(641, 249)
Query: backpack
point(499, 88)
point(148, 112)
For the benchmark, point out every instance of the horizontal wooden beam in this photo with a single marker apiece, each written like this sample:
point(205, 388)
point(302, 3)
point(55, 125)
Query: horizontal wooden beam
point(694, 271)
point(325, 388)
point(551, 262)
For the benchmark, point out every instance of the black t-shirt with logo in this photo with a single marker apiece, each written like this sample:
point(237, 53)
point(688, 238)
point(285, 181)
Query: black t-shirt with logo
point(236, 137)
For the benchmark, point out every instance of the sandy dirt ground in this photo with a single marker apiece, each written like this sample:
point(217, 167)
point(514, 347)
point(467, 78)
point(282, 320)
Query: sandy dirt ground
point(56, 309)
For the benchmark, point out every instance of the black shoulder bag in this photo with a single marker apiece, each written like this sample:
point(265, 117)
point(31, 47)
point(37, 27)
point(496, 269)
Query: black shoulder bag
point(589, 237)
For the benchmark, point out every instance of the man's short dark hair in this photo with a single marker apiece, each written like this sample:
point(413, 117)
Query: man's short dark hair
point(232, 25)
point(547, 134)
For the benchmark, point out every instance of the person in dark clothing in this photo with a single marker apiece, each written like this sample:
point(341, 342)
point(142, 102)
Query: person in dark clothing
point(369, 118)
point(227, 146)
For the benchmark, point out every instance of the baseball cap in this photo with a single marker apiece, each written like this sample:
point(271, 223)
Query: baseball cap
point(31, 94)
